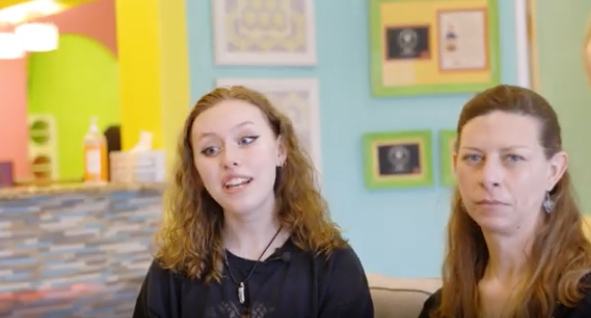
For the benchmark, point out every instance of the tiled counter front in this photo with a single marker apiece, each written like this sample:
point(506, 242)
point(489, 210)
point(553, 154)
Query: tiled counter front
point(77, 253)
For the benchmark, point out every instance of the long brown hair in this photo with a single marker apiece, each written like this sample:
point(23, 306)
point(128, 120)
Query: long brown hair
point(561, 255)
point(190, 239)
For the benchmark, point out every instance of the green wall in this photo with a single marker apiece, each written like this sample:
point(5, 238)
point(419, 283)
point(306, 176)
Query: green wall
point(561, 28)
point(75, 82)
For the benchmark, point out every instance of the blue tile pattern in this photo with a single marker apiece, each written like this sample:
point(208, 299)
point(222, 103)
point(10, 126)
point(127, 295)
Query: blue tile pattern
point(76, 254)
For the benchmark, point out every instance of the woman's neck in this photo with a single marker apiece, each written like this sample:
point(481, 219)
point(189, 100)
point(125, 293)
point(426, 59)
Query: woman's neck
point(247, 236)
point(509, 251)
point(504, 274)
point(507, 258)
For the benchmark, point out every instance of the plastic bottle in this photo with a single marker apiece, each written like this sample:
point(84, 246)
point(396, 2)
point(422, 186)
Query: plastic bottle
point(95, 154)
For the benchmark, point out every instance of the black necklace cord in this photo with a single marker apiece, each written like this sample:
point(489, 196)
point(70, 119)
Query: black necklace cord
point(242, 284)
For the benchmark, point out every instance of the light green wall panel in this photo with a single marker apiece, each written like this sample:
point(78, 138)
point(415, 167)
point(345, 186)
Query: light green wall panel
point(75, 82)
point(561, 28)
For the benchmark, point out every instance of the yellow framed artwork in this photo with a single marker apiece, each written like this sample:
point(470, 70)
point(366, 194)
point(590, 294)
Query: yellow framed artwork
point(397, 159)
point(433, 46)
point(447, 141)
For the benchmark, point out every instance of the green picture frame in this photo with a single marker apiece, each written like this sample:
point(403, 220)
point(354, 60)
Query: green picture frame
point(398, 159)
point(447, 141)
point(430, 69)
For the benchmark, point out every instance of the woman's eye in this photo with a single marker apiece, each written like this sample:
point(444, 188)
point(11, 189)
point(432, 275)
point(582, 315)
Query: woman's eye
point(210, 151)
point(514, 158)
point(471, 158)
point(247, 140)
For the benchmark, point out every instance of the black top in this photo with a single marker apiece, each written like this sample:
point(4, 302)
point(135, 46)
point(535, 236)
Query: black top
point(581, 310)
point(290, 283)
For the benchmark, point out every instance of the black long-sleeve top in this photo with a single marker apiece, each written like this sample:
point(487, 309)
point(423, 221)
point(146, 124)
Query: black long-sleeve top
point(581, 310)
point(290, 283)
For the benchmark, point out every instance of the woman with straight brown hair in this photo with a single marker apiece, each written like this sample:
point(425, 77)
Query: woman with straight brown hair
point(246, 232)
point(516, 246)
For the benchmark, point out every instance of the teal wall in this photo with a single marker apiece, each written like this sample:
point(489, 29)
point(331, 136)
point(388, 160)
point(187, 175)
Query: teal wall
point(564, 83)
point(395, 232)
point(75, 82)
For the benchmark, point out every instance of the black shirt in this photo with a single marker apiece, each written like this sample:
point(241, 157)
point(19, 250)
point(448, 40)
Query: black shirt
point(290, 283)
point(581, 310)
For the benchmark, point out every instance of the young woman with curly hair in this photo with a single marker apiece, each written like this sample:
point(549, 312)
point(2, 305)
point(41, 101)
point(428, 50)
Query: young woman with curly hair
point(246, 232)
point(516, 247)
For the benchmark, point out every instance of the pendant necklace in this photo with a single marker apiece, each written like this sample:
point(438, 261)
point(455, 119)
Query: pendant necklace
point(242, 284)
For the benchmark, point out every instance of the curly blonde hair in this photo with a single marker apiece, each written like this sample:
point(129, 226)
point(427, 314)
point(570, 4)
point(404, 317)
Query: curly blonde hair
point(190, 238)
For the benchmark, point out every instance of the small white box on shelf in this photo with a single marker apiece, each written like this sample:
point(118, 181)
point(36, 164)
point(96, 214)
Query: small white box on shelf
point(142, 167)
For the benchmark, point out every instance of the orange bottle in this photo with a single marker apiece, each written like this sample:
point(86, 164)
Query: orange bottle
point(95, 154)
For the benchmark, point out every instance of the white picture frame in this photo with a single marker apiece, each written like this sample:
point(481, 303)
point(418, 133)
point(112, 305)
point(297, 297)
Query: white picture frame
point(463, 38)
point(298, 99)
point(273, 32)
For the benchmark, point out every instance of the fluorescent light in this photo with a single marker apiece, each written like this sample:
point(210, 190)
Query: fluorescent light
point(37, 36)
point(29, 10)
point(10, 47)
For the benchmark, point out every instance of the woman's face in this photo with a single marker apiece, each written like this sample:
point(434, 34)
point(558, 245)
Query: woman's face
point(502, 171)
point(236, 154)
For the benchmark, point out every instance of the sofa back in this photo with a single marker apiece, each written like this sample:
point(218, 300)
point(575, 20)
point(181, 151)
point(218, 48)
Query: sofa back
point(395, 297)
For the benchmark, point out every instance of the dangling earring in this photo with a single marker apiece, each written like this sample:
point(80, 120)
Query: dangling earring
point(548, 204)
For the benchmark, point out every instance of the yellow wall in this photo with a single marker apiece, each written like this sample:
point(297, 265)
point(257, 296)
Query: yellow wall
point(153, 70)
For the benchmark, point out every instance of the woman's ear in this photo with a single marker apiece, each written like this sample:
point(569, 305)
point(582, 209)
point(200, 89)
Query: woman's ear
point(281, 151)
point(557, 167)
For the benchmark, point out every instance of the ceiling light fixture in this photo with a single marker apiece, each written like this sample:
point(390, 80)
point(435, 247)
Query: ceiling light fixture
point(37, 36)
point(10, 47)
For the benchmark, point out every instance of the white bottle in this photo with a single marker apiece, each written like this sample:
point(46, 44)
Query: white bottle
point(95, 154)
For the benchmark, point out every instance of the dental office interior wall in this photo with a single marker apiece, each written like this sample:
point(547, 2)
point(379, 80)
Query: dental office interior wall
point(561, 31)
point(394, 232)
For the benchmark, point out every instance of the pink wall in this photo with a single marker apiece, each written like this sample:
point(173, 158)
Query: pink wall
point(95, 20)
point(13, 115)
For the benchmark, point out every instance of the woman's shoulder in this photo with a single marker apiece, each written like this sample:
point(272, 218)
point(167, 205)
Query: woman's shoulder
point(582, 308)
point(158, 274)
point(343, 257)
point(342, 284)
point(344, 252)
point(156, 269)
point(431, 304)
point(156, 292)
point(340, 263)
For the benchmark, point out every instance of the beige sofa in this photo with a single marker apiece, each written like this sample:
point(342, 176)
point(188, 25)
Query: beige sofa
point(400, 297)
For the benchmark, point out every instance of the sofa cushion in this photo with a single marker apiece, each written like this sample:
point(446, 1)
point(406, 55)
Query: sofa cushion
point(400, 297)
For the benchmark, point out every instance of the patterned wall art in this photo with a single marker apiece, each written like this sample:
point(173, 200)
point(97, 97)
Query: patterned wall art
point(264, 32)
point(298, 99)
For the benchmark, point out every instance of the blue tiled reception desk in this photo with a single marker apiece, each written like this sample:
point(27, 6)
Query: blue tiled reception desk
point(75, 252)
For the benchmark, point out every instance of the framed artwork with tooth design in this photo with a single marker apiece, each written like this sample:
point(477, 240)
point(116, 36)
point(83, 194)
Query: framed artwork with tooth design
point(398, 159)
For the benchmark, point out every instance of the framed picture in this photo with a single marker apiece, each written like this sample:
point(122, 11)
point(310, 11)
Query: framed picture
point(447, 141)
point(462, 38)
point(295, 97)
point(433, 46)
point(397, 159)
point(254, 32)
point(407, 42)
